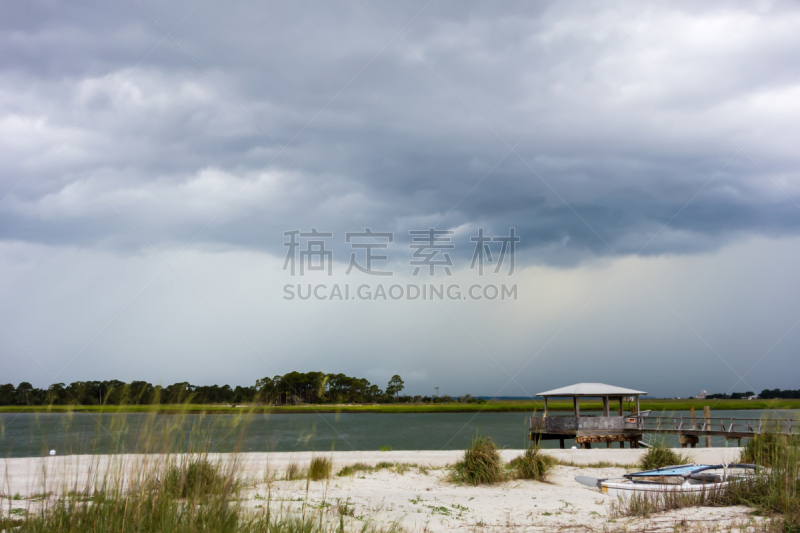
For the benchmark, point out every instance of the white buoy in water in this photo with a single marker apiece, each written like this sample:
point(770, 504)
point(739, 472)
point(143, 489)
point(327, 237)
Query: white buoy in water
point(52, 452)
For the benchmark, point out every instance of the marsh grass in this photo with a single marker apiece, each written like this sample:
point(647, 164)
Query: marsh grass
point(320, 468)
point(481, 464)
point(490, 406)
point(659, 456)
point(533, 464)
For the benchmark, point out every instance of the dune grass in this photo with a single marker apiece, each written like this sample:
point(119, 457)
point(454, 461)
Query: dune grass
point(768, 448)
point(397, 468)
point(598, 464)
point(159, 491)
point(194, 477)
point(294, 472)
point(773, 491)
point(533, 464)
point(776, 487)
point(659, 456)
point(481, 464)
point(351, 470)
point(320, 468)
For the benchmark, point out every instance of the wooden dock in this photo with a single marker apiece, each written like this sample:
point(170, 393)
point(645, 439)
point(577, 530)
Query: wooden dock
point(631, 427)
point(586, 430)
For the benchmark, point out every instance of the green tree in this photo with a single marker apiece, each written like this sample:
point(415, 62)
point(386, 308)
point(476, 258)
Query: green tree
point(7, 394)
point(56, 394)
point(24, 393)
point(395, 386)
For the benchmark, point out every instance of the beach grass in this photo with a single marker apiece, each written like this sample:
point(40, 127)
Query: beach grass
point(532, 464)
point(659, 456)
point(351, 470)
point(294, 472)
point(157, 490)
point(194, 477)
point(481, 464)
point(397, 468)
point(320, 468)
point(767, 448)
point(773, 490)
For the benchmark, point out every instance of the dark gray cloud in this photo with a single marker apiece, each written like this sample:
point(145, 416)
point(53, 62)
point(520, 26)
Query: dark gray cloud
point(615, 135)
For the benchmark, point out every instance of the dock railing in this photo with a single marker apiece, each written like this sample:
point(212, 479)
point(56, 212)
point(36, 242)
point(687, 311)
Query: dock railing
point(726, 426)
point(715, 425)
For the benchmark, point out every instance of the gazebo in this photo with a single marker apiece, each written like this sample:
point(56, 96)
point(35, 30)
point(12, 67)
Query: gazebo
point(593, 390)
point(588, 429)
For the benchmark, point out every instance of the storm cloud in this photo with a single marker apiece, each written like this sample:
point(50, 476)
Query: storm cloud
point(603, 129)
point(143, 131)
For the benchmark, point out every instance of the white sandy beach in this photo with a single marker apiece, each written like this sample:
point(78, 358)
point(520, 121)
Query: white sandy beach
point(420, 499)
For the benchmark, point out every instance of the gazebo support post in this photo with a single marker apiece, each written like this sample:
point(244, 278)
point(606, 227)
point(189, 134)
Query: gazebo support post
point(605, 406)
point(576, 406)
point(620, 406)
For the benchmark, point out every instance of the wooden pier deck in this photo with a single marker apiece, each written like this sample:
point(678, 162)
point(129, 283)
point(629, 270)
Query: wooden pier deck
point(586, 430)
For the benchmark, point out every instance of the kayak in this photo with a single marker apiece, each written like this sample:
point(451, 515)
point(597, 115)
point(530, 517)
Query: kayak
point(691, 478)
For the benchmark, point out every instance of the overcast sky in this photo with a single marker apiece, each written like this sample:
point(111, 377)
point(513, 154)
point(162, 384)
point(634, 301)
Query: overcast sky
point(154, 154)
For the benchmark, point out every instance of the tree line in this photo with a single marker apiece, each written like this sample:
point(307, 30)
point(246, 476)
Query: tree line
point(778, 393)
point(766, 394)
point(292, 388)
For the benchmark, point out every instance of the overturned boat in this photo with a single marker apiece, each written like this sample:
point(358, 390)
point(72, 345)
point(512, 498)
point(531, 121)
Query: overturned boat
point(678, 478)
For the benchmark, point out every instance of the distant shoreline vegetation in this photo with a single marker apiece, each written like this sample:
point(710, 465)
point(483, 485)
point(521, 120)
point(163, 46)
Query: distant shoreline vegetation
point(766, 394)
point(292, 389)
point(304, 392)
point(525, 408)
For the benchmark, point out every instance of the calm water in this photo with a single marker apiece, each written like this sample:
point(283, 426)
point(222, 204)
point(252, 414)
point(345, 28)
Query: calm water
point(26, 435)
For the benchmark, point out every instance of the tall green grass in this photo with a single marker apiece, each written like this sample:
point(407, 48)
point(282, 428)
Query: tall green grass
point(773, 490)
point(196, 477)
point(167, 482)
point(320, 468)
point(533, 464)
point(776, 487)
point(294, 472)
point(481, 464)
point(767, 448)
point(659, 456)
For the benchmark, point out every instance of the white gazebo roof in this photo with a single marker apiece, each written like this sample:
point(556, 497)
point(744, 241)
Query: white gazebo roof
point(591, 389)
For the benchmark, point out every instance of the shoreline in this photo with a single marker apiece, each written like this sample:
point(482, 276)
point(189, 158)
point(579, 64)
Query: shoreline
point(489, 407)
